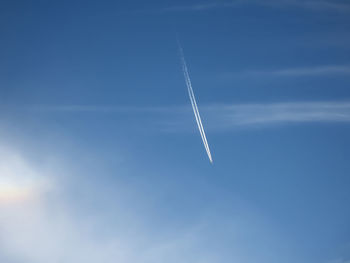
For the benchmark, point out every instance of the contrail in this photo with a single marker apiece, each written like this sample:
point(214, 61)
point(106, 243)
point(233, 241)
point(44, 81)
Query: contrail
point(194, 103)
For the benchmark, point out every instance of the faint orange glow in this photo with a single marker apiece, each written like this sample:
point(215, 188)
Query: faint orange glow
point(19, 181)
point(12, 193)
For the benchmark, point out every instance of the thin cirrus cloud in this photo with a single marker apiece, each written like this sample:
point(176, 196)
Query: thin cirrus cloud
point(339, 6)
point(301, 71)
point(219, 117)
point(222, 117)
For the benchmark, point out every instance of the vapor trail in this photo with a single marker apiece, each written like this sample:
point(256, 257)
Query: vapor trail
point(194, 103)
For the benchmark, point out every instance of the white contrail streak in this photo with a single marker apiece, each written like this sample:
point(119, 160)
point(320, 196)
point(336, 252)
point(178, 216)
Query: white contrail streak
point(194, 103)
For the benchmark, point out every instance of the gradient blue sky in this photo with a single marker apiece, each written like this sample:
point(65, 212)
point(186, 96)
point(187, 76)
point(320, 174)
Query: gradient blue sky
point(100, 157)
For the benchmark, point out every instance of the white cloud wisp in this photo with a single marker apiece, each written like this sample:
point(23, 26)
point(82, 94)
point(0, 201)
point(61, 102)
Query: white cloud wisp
point(303, 71)
point(221, 117)
point(313, 5)
point(249, 115)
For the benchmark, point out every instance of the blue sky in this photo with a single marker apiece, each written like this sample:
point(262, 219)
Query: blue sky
point(100, 156)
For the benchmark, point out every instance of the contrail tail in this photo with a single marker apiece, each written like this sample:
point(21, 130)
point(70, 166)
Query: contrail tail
point(194, 103)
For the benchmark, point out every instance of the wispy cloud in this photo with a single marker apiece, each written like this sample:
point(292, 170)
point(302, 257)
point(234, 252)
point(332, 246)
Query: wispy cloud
point(204, 6)
point(220, 117)
point(316, 5)
point(99, 109)
point(195, 7)
point(339, 6)
point(302, 71)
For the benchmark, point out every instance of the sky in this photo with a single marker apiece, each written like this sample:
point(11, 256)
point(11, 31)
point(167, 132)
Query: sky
point(100, 156)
